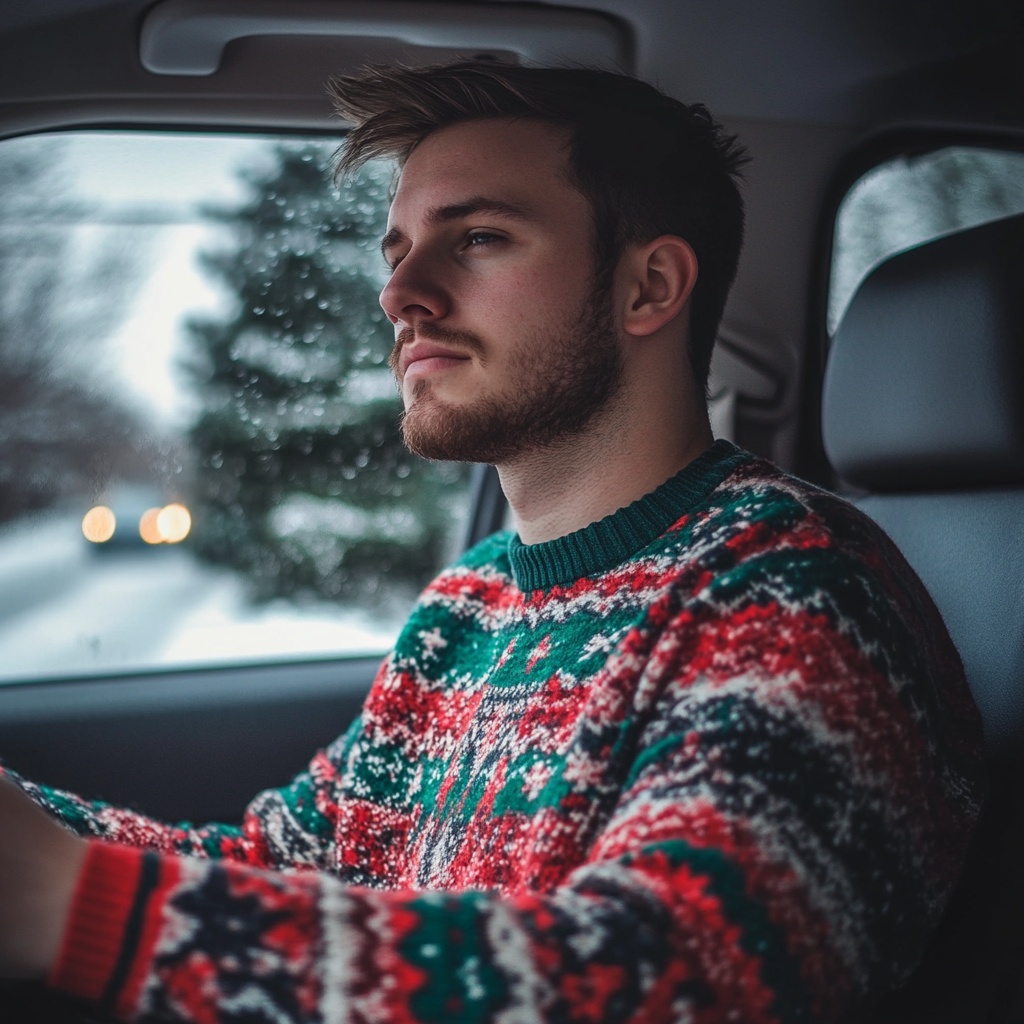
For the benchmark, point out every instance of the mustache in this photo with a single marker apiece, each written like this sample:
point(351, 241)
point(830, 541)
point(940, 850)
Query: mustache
point(463, 340)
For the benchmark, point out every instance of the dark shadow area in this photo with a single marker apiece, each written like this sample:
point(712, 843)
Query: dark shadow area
point(972, 973)
point(23, 1002)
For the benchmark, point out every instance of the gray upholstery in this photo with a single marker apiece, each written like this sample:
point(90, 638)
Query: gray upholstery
point(923, 406)
point(968, 548)
point(924, 385)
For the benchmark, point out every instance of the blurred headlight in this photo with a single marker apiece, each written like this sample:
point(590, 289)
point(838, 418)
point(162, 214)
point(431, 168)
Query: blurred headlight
point(149, 531)
point(173, 522)
point(98, 524)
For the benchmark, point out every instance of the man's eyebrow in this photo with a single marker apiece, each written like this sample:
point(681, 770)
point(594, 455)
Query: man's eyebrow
point(456, 211)
point(479, 204)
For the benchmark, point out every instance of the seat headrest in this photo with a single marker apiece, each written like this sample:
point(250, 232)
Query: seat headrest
point(924, 382)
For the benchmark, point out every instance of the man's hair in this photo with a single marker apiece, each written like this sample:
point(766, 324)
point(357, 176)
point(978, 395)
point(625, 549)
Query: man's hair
point(648, 164)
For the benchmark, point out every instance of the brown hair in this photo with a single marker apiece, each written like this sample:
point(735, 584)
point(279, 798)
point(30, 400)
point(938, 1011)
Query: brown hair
point(648, 164)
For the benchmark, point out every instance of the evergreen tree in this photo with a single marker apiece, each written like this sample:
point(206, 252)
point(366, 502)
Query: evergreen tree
point(303, 482)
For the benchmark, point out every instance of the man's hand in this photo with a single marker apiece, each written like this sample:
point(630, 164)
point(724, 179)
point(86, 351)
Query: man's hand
point(39, 864)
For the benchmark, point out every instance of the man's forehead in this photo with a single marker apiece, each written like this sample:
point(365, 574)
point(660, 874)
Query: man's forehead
point(507, 163)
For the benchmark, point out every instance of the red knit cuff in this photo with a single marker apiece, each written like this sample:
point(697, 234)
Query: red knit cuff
point(95, 930)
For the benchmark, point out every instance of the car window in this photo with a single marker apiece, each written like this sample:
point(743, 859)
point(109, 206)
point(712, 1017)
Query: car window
point(915, 199)
point(200, 458)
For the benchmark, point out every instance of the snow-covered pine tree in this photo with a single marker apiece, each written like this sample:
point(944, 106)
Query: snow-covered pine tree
point(303, 482)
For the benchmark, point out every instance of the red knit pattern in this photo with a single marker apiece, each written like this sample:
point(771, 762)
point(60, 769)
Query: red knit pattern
point(94, 932)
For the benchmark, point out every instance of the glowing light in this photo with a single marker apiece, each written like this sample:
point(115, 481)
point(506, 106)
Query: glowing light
point(149, 531)
point(98, 524)
point(173, 522)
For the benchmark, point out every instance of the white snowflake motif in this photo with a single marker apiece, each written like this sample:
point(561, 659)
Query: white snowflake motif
point(432, 641)
point(599, 643)
point(536, 779)
point(583, 771)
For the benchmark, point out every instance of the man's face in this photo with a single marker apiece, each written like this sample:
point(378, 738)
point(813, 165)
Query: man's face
point(501, 345)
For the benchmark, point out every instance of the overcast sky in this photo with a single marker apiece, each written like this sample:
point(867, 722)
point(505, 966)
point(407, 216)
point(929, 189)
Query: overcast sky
point(177, 174)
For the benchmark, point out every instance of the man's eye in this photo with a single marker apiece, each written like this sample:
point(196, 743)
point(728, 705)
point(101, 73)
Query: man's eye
point(477, 238)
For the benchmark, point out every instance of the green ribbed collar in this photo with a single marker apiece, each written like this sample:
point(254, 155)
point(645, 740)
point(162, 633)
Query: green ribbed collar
point(616, 538)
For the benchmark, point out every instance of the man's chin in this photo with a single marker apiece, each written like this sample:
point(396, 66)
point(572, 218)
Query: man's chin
point(443, 433)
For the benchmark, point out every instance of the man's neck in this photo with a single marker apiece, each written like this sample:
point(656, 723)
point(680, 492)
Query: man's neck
point(623, 456)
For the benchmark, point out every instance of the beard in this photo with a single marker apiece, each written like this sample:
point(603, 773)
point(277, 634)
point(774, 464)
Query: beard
point(554, 388)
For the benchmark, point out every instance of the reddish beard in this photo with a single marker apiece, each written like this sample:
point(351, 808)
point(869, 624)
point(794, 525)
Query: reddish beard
point(554, 388)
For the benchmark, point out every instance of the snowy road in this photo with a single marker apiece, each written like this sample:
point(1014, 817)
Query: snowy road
point(67, 610)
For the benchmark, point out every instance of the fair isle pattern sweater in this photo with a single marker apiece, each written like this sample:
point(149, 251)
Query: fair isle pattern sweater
point(710, 759)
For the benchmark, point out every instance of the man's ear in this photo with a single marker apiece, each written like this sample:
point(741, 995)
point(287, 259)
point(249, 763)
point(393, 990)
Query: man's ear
point(658, 277)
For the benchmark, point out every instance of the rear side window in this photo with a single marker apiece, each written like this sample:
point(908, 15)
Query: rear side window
point(200, 458)
point(911, 200)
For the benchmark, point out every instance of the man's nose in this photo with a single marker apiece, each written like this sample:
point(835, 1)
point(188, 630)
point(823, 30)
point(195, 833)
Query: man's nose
point(414, 293)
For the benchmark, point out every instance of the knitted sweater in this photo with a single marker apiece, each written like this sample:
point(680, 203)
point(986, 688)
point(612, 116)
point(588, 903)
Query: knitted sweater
point(709, 759)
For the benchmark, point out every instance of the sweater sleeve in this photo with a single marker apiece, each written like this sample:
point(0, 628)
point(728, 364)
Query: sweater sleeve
point(777, 852)
point(304, 805)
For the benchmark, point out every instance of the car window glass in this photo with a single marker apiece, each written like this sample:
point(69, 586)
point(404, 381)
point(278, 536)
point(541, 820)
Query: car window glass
point(912, 200)
point(200, 458)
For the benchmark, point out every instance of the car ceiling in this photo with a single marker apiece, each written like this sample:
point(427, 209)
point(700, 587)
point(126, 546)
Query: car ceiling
point(803, 60)
point(804, 83)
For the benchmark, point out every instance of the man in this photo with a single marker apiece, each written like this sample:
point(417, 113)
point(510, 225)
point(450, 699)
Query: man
point(692, 745)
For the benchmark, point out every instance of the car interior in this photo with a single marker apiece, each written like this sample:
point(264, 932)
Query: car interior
point(873, 344)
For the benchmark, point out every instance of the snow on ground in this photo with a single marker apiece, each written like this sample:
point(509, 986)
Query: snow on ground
point(66, 610)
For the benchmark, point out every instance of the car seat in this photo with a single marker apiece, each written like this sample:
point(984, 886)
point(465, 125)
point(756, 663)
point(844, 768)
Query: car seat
point(923, 418)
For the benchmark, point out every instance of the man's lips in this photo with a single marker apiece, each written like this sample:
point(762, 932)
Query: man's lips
point(420, 358)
